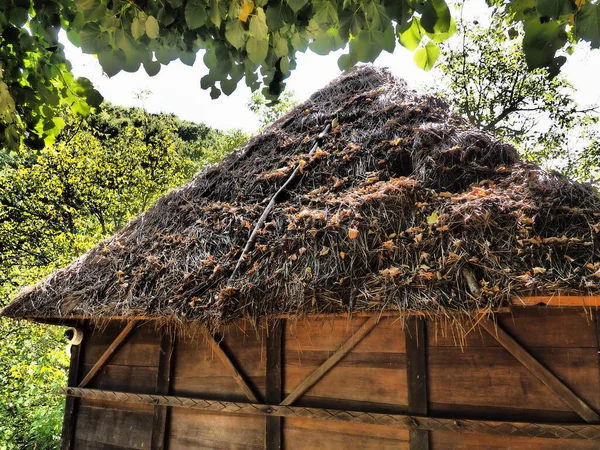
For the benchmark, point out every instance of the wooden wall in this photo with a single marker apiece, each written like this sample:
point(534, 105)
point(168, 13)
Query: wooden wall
point(468, 375)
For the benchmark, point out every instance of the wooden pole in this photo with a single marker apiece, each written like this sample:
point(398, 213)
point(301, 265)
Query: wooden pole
point(70, 417)
point(416, 373)
point(163, 385)
point(274, 382)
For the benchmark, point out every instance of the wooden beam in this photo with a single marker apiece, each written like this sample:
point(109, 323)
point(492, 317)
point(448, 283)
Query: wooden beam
point(586, 432)
point(110, 351)
point(163, 385)
point(320, 371)
point(416, 373)
point(543, 374)
point(274, 382)
point(226, 360)
point(558, 300)
point(70, 414)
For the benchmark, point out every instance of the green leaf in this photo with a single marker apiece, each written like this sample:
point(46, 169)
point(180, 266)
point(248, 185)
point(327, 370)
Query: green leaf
point(412, 35)
point(257, 50)
point(433, 218)
point(541, 41)
point(92, 39)
point(217, 11)
point(112, 61)
point(426, 57)
point(188, 58)
point(138, 28)
point(280, 46)
point(443, 36)
point(345, 62)
point(195, 14)
point(215, 93)
point(235, 33)
point(324, 43)
point(435, 15)
point(165, 55)
point(228, 86)
point(152, 27)
point(587, 23)
point(152, 67)
point(554, 9)
point(296, 5)
point(278, 15)
point(18, 16)
point(258, 24)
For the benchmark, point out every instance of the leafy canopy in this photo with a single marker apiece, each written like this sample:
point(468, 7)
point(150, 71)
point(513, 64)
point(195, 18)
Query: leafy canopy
point(254, 40)
point(486, 78)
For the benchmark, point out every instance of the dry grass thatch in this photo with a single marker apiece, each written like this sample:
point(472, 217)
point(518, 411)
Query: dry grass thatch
point(395, 202)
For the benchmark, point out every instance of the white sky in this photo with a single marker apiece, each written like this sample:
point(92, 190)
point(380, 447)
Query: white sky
point(176, 88)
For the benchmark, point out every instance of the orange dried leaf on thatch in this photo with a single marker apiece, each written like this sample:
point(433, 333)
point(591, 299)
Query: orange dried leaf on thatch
point(389, 246)
point(342, 255)
point(391, 272)
point(352, 233)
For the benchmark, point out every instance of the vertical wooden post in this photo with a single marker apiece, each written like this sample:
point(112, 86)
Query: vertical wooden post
point(70, 417)
point(163, 384)
point(416, 372)
point(274, 383)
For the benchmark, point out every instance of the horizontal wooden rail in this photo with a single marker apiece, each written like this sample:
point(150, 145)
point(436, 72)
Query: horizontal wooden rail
point(589, 432)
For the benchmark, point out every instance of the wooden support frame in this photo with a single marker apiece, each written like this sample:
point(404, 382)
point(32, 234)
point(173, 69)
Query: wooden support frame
point(110, 351)
point(589, 432)
point(339, 354)
point(274, 382)
point(70, 414)
point(543, 374)
point(416, 373)
point(163, 385)
point(227, 361)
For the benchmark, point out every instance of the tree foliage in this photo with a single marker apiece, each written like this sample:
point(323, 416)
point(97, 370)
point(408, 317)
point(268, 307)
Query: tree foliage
point(254, 40)
point(269, 112)
point(54, 205)
point(488, 81)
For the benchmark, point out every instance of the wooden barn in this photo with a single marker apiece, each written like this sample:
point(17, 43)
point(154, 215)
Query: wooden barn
point(368, 272)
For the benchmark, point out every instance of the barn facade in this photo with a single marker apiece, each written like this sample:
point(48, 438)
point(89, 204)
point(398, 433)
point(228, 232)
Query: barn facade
point(369, 272)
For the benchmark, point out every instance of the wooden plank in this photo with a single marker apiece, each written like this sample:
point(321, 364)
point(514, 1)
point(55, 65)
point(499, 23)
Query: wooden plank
point(123, 378)
point(191, 429)
point(142, 347)
point(310, 434)
point(70, 414)
point(344, 349)
point(484, 378)
point(120, 339)
point(115, 427)
point(274, 383)
point(543, 374)
point(163, 384)
point(444, 440)
point(226, 360)
point(416, 373)
point(558, 300)
point(216, 408)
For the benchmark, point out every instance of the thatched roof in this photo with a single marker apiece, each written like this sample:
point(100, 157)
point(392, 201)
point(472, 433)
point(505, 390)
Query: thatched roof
point(399, 201)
